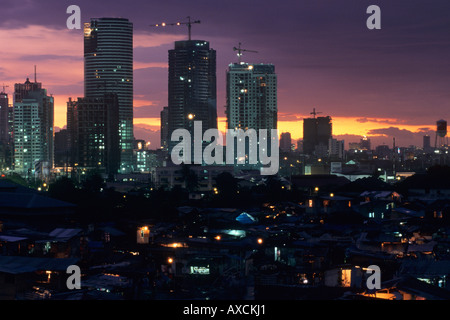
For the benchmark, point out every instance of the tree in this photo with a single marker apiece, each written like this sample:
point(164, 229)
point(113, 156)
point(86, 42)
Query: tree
point(94, 183)
point(63, 189)
point(227, 185)
point(190, 178)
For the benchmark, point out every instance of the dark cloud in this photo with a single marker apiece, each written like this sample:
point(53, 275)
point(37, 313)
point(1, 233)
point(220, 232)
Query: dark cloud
point(148, 133)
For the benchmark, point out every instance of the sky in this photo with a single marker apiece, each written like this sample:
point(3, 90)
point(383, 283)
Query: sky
point(386, 83)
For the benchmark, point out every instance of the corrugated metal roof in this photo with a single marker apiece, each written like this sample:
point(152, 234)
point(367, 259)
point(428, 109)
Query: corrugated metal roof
point(64, 233)
point(30, 200)
point(18, 265)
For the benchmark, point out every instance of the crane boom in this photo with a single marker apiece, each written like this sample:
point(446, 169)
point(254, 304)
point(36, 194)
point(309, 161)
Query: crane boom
point(314, 112)
point(240, 50)
point(188, 23)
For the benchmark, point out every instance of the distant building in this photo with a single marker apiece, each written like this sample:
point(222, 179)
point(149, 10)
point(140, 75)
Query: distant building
point(4, 104)
point(108, 68)
point(336, 148)
point(285, 142)
point(165, 128)
point(299, 146)
point(62, 148)
point(383, 152)
point(93, 125)
point(316, 134)
point(354, 146)
point(148, 160)
point(33, 129)
point(251, 96)
point(6, 143)
point(173, 176)
point(364, 143)
point(192, 87)
point(252, 102)
point(427, 144)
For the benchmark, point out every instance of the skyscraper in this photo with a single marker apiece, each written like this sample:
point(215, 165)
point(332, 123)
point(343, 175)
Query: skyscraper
point(251, 104)
point(285, 142)
point(108, 68)
point(92, 125)
point(364, 143)
point(33, 129)
point(5, 132)
point(4, 103)
point(427, 144)
point(251, 96)
point(316, 134)
point(165, 128)
point(192, 87)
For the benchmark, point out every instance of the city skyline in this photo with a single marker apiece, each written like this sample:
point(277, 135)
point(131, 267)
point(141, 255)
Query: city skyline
point(388, 82)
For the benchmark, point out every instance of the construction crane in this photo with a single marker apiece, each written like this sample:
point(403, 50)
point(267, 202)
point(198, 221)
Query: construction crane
point(314, 112)
point(240, 50)
point(189, 24)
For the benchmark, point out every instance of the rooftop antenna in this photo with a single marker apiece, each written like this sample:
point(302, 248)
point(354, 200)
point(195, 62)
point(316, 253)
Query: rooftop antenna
point(35, 77)
point(189, 24)
point(240, 50)
point(314, 112)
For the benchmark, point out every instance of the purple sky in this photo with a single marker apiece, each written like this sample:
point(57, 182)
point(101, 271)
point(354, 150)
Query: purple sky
point(390, 82)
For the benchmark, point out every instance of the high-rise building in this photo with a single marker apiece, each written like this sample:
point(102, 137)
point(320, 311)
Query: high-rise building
point(62, 148)
point(5, 132)
point(94, 139)
point(165, 128)
point(4, 104)
point(251, 103)
point(251, 96)
point(108, 68)
point(426, 143)
point(285, 142)
point(33, 129)
point(336, 148)
point(316, 134)
point(364, 144)
point(192, 87)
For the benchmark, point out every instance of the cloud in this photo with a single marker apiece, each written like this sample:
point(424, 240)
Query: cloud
point(148, 133)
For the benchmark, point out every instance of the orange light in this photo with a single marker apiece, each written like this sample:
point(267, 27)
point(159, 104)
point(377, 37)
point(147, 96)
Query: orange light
point(170, 260)
point(217, 237)
point(260, 241)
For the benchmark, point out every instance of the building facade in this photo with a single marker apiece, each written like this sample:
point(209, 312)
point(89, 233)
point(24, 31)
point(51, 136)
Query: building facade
point(92, 124)
point(33, 129)
point(316, 134)
point(165, 128)
point(108, 68)
point(251, 103)
point(251, 96)
point(192, 87)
